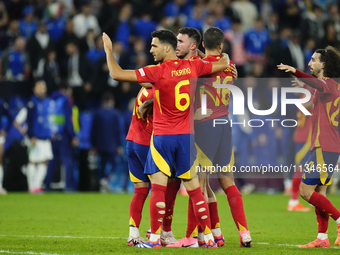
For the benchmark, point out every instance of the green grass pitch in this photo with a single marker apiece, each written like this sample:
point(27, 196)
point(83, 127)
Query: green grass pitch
point(93, 223)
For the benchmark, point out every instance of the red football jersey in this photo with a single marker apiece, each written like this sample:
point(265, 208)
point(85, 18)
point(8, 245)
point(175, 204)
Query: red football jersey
point(217, 99)
point(303, 129)
point(325, 113)
point(140, 131)
point(174, 85)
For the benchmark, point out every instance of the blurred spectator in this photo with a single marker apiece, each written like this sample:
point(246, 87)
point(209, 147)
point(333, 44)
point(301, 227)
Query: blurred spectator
point(330, 37)
point(236, 38)
point(67, 8)
point(308, 51)
point(27, 25)
point(277, 47)
point(221, 21)
point(3, 131)
point(15, 63)
point(77, 70)
point(63, 137)
point(66, 37)
point(272, 23)
point(108, 16)
point(48, 70)
point(229, 11)
point(312, 24)
point(85, 21)
point(3, 16)
point(333, 11)
point(55, 22)
point(37, 44)
point(265, 8)
point(105, 137)
point(293, 54)
point(289, 14)
point(88, 43)
point(124, 27)
point(97, 52)
point(247, 13)
point(176, 8)
point(39, 134)
point(144, 26)
point(256, 40)
point(14, 8)
point(196, 18)
point(10, 34)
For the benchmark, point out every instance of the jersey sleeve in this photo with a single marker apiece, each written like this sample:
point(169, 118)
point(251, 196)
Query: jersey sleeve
point(148, 74)
point(203, 67)
point(323, 85)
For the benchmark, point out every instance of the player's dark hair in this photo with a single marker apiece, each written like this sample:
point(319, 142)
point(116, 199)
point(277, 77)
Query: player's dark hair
point(213, 38)
point(192, 33)
point(331, 57)
point(166, 36)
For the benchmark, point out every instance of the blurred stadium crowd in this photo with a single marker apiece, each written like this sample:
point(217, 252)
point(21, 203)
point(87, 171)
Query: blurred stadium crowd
point(60, 42)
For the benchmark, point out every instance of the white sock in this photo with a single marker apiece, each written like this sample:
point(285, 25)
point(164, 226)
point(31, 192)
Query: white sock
point(208, 237)
point(41, 174)
point(322, 236)
point(293, 202)
point(30, 176)
point(200, 236)
point(154, 237)
point(134, 232)
point(1, 176)
point(338, 221)
point(216, 232)
point(165, 233)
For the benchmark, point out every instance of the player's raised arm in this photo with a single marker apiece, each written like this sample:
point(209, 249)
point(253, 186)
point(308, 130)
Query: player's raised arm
point(117, 73)
point(222, 64)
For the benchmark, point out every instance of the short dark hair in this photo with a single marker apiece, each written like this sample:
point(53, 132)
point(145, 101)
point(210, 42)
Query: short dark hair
point(166, 36)
point(213, 38)
point(331, 57)
point(192, 33)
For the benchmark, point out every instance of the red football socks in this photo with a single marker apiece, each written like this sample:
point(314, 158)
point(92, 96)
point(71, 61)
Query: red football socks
point(157, 207)
point(136, 206)
point(214, 218)
point(322, 218)
point(170, 197)
point(296, 185)
point(201, 209)
point(192, 221)
point(236, 207)
point(323, 204)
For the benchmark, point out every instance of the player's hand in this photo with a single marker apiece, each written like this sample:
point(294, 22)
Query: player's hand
point(225, 58)
point(297, 83)
point(286, 68)
point(234, 71)
point(200, 54)
point(146, 85)
point(199, 116)
point(107, 43)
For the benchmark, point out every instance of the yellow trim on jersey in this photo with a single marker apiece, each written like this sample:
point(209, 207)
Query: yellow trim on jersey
point(159, 160)
point(157, 98)
point(302, 152)
point(317, 143)
point(202, 158)
point(321, 162)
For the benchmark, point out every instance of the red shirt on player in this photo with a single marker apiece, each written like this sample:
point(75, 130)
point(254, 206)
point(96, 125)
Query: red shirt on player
point(173, 93)
point(140, 131)
point(217, 99)
point(303, 129)
point(325, 113)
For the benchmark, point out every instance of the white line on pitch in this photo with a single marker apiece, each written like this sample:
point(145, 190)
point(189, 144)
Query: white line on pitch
point(28, 252)
point(75, 237)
